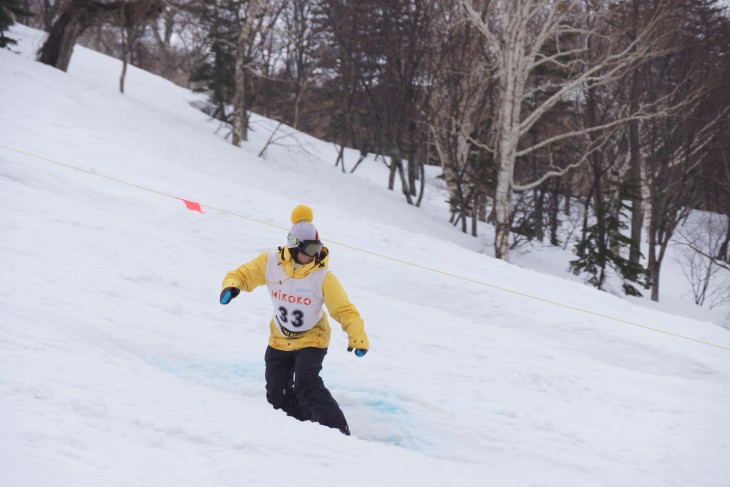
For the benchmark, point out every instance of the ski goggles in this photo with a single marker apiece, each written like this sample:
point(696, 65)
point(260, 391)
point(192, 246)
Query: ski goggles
point(310, 248)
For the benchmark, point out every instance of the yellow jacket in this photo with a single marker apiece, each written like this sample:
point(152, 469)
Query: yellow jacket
point(253, 274)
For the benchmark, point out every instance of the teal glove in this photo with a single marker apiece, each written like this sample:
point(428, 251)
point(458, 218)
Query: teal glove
point(229, 293)
point(360, 352)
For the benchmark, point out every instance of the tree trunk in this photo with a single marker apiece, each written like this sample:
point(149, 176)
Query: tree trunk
point(635, 172)
point(123, 75)
point(475, 213)
point(411, 158)
point(502, 212)
point(603, 239)
point(422, 188)
point(126, 46)
point(514, 70)
point(341, 154)
point(723, 253)
point(59, 45)
point(392, 169)
point(240, 112)
point(635, 188)
point(613, 198)
point(503, 194)
point(299, 95)
point(539, 215)
point(653, 267)
point(398, 162)
point(658, 264)
point(167, 70)
point(553, 216)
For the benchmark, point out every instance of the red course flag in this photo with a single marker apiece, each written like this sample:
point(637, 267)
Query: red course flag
point(191, 205)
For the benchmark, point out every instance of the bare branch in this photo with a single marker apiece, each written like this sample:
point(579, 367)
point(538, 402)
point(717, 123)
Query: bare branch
point(714, 260)
point(595, 146)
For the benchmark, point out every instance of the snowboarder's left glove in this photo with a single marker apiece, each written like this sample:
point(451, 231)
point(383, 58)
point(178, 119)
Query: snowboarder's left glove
point(359, 343)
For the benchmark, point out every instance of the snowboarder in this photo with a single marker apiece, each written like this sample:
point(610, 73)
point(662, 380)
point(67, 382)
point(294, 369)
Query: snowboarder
point(299, 283)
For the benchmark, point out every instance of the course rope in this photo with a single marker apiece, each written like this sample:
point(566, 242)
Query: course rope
point(375, 254)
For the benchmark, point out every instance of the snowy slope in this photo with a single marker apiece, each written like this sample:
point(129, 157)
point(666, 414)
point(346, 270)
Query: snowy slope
point(118, 367)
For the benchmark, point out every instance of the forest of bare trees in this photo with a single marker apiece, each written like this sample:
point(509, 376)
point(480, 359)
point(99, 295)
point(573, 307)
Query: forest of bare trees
point(612, 115)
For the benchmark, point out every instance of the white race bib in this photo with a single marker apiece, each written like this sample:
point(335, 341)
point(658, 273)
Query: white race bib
point(297, 302)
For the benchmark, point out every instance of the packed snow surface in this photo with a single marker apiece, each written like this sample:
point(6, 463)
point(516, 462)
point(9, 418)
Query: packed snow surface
point(118, 366)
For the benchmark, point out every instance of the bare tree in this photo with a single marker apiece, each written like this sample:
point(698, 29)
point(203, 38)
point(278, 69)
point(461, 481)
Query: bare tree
point(133, 18)
point(179, 42)
point(518, 33)
point(348, 54)
point(403, 56)
point(676, 144)
point(44, 12)
point(251, 44)
point(699, 243)
point(239, 118)
point(300, 44)
point(77, 16)
point(459, 107)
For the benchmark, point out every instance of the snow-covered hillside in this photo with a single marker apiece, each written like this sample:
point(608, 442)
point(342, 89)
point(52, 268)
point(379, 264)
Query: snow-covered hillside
point(118, 366)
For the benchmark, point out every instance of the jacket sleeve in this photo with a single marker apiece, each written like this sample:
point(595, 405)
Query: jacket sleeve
point(344, 312)
point(249, 276)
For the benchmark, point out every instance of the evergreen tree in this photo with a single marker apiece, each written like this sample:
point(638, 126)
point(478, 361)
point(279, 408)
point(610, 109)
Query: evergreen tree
point(221, 21)
point(601, 248)
point(9, 9)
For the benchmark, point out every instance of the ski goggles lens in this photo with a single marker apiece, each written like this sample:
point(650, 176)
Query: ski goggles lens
point(312, 248)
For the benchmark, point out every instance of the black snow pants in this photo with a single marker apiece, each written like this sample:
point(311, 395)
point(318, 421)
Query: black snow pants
point(293, 384)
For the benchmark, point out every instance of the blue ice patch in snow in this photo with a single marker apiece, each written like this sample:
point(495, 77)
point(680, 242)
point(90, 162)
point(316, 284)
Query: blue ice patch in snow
point(383, 406)
point(229, 376)
point(381, 416)
point(211, 369)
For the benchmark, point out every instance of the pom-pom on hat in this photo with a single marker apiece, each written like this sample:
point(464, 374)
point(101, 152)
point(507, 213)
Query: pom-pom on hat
point(302, 213)
point(302, 229)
